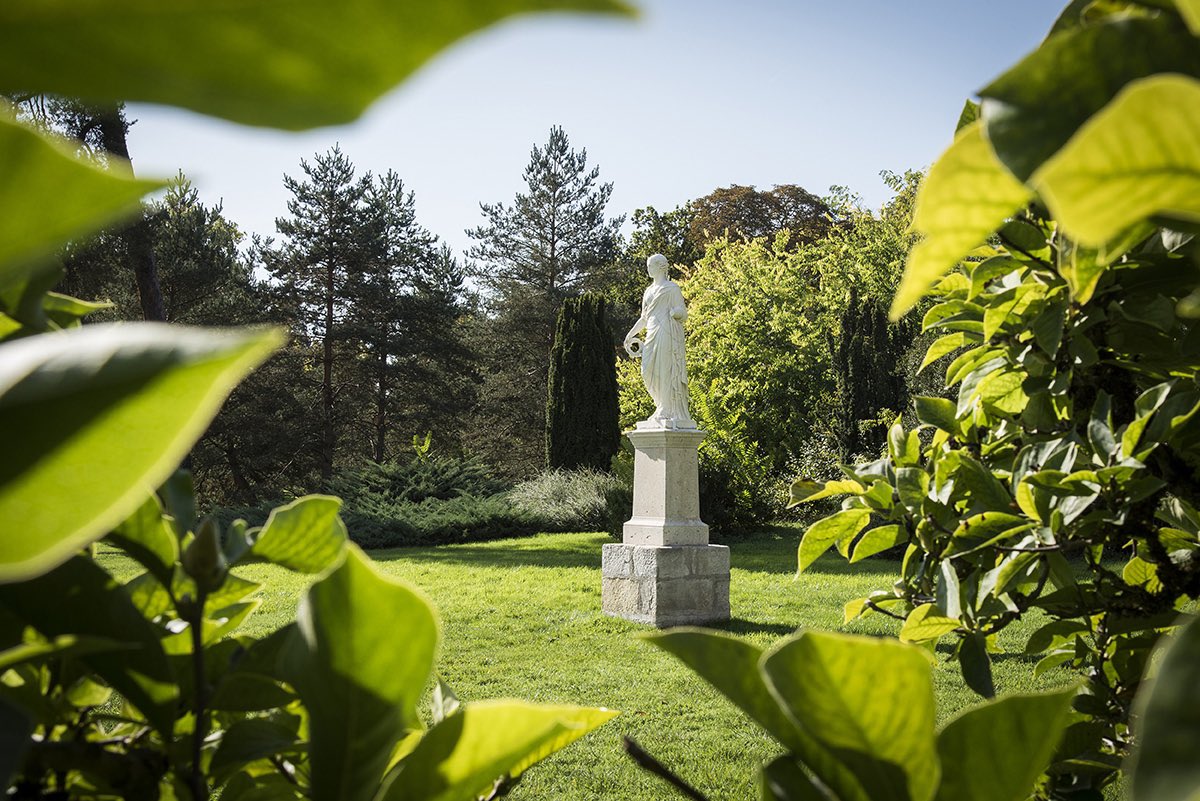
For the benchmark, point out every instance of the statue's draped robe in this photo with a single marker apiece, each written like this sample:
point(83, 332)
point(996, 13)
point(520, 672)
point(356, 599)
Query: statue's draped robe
point(664, 369)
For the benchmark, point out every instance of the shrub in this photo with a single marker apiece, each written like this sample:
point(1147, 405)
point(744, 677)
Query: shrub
point(375, 524)
point(415, 480)
point(566, 500)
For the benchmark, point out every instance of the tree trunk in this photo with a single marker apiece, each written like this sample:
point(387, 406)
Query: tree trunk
point(138, 236)
point(381, 407)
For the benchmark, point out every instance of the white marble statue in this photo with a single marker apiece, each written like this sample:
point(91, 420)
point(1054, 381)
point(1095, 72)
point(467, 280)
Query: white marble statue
point(664, 369)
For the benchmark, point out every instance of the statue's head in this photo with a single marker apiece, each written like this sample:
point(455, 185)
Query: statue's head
point(656, 264)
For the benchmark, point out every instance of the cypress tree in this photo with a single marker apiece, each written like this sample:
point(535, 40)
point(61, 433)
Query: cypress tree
point(582, 413)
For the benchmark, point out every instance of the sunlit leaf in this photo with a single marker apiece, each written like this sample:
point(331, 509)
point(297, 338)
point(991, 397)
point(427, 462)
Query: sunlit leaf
point(1164, 765)
point(1120, 168)
point(305, 535)
point(996, 751)
point(829, 531)
point(128, 402)
point(47, 196)
point(460, 758)
point(965, 197)
point(926, 623)
point(284, 63)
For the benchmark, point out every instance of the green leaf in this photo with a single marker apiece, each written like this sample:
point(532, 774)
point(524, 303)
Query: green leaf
point(16, 728)
point(47, 196)
point(731, 666)
point(1164, 766)
point(976, 664)
point(878, 540)
point(838, 527)
point(305, 535)
point(460, 758)
point(926, 623)
point(65, 645)
point(127, 403)
point(944, 346)
point(965, 197)
point(1190, 11)
point(984, 529)
point(360, 657)
point(997, 751)
point(1120, 169)
point(784, 779)
point(804, 490)
point(1001, 391)
point(79, 598)
point(294, 64)
point(249, 740)
point(968, 115)
point(937, 412)
point(1032, 110)
point(868, 700)
point(148, 538)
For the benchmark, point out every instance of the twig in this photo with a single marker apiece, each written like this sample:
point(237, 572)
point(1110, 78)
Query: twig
point(649, 763)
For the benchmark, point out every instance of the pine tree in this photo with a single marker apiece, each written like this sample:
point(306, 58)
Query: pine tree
point(582, 411)
point(327, 242)
point(529, 257)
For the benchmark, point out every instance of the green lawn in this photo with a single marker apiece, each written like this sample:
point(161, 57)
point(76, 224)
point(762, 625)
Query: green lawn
point(522, 619)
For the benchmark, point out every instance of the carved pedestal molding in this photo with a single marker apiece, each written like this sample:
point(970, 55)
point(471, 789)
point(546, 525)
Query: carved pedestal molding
point(664, 572)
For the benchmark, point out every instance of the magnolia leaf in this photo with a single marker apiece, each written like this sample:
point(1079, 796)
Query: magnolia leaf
point(461, 758)
point(875, 541)
point(306, 535)
point(360, 657)
point(944, 346)
point(985, 529)
point(869, 700)
point(965, 197)
point(997, 751)
point(1033, 109)
point(804, 490)
point(287, 64)
point(147, 537)
point(937, 412)
point(47, 196)
point(1190, 11)
point(1120, 169)
point(128, 401)
point(838, 527)
point(925, 623)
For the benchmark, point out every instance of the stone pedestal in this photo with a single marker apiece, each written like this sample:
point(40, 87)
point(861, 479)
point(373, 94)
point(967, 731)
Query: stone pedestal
point(664, 572)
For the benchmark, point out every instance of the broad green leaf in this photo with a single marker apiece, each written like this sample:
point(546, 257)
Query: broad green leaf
point(804, 490)
point(23, 288)
point(66, 311)
point(731, 666)
point(1082, 268)
point(290, 64)
point(47, 196)
point(870, 701)
point(937, 412)
point(1190, 11)
point(65, 645)
point(976, 665)
point(997, 751)
point(1001, 391)
point(829, 531)
point(460, 758)
point(126, 402)
point(984, 529)
point(878, 540)
point(944, 346)
point(248, 740)
point(79, 598)
point(1033, 109)
point(1164, 765)
point(360, 657)
point(1120, 169)
point(16, 728)
point(965, 197)
point(968, 115)
point(1140, 573)
point(306, 535)
point(926, 623)
point(147, 537)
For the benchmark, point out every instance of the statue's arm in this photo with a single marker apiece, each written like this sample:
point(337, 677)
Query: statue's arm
point(637, 329)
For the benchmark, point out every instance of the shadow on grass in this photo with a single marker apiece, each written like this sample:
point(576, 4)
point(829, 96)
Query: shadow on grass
point(743, 627)
point(520, 554)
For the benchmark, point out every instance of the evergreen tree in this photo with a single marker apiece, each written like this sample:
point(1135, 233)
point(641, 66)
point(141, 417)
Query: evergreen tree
point(529, 257)
point(582, 410)
point(327, 242)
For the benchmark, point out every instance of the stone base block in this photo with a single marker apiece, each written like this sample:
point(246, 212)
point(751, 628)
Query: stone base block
point(671, 585)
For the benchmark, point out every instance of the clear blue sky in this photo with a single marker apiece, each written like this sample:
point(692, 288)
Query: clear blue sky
point(693, 95)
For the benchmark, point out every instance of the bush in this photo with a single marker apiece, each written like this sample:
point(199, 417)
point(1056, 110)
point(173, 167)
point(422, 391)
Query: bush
point(415, 480)
point(566, 500)
point(377, 524)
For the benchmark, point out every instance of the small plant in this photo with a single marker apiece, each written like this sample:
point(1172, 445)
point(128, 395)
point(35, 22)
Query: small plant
point(566, 500)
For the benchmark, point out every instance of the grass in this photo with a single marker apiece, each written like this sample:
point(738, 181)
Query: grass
point(522, 619)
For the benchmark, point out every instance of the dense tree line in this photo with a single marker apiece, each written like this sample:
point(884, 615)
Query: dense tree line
point(393, 337)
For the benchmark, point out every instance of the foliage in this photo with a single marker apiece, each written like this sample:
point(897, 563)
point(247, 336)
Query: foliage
point(855, 717)
point(416, 479)
point(94, 418)
point(581, 409)
point(748, 213)
point(1062, 476)
point(316, 709)
point(530, 256)
point(566, 500)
